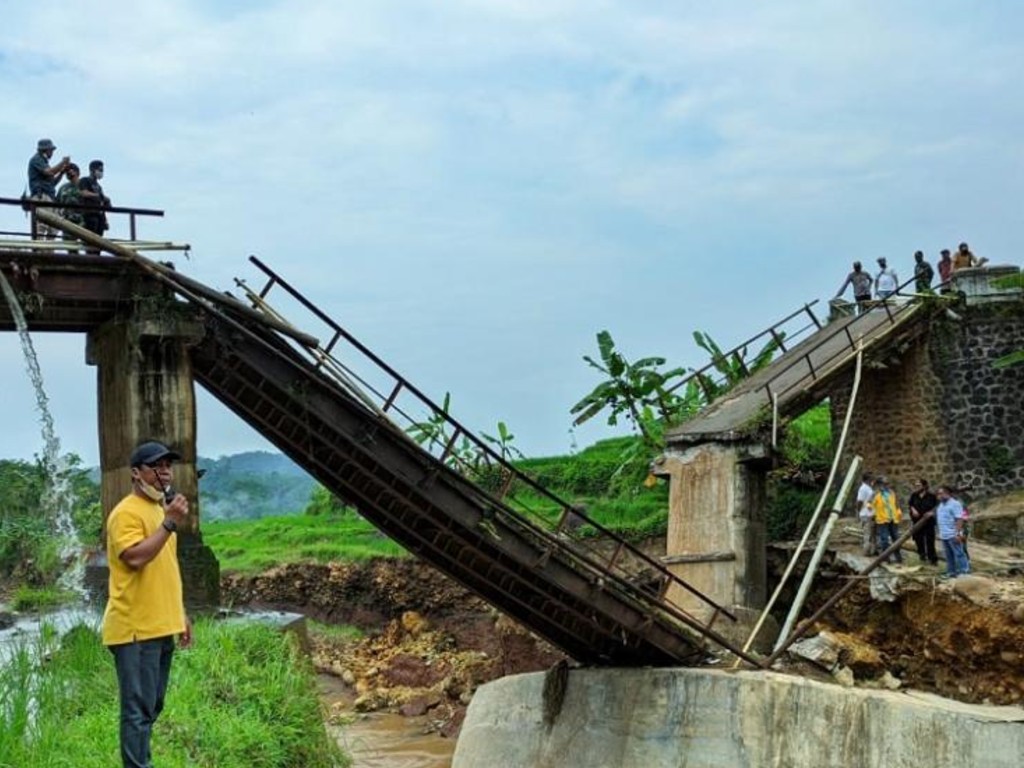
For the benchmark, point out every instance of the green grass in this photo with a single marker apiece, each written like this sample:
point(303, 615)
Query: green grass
point(243, 697)
point(617, 501)
point(251, 546)
point(26, 598)
point(334, 631)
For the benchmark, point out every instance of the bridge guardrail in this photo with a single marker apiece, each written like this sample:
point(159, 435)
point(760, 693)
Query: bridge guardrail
point(387, 393)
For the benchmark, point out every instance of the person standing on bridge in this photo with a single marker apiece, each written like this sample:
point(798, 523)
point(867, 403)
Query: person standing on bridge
point(42, 181)
point(945, 270)
point(886, 281)
point(861, 282)
point(92, 195)
point(71, 195)
point(145, 609)
point(923, 273)
point(965, 258)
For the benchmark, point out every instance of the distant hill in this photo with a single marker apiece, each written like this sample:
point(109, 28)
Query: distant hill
point(252, 485)
point(249, 485)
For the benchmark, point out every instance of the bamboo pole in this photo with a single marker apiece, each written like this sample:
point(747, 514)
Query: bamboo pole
point(178, 282)
point(821, 503)
point(807, 623)
point(819, 551)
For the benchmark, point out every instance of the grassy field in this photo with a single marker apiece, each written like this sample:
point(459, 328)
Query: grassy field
point(243, 697)
point(255, 545)
point(612, 490)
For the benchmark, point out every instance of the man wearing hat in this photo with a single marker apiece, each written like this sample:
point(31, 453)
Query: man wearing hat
point(42, 180)
point(145, 609)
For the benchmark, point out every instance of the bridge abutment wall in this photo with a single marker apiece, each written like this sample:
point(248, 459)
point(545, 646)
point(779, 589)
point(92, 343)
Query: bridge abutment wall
point(701, 718)
point(716, 529)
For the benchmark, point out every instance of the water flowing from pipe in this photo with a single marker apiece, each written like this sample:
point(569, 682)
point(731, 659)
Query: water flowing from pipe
point(58, 496)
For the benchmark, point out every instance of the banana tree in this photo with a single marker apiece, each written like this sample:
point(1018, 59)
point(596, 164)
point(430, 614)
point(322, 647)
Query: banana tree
point(635, 391)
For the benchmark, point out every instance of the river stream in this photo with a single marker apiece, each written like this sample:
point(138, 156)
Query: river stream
point(383, 739)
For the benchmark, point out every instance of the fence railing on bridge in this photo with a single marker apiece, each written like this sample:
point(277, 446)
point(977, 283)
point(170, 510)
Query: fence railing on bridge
point(24, 239)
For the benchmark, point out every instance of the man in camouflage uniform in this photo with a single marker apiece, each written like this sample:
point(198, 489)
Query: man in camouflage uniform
point(69, 194)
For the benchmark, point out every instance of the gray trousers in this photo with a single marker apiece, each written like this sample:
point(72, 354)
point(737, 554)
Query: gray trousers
point(143, 669)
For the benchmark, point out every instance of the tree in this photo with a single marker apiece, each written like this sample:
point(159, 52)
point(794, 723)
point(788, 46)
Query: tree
point(734, 367)
point(636, 391)
point(28, 537)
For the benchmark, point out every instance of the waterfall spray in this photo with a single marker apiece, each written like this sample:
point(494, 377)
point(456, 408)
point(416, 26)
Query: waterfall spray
point(57, 496)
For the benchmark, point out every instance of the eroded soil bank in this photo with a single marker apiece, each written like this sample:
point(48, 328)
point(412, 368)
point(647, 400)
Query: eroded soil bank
point(429, 643)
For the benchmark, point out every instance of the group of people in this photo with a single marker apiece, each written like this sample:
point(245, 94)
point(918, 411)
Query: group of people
point(77, 190)
point(885, 284)
point(939, 514)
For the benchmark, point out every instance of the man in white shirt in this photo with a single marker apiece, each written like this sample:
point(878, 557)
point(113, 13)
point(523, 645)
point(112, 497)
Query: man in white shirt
point(866, 514)
point(886, 282)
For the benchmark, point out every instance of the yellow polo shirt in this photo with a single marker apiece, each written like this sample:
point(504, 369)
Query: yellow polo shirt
point(144, 602)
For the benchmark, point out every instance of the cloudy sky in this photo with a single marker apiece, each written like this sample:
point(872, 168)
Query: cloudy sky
point(475, 189)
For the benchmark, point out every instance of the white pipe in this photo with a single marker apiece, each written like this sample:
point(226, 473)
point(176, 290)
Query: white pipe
point(775, 420)
point(819, 551)
point(821, 504)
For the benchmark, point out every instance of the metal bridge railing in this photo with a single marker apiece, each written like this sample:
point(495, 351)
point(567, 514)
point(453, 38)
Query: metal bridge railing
point(31, 206)
point(559, 525)
point(894, 310)
point(780, 333)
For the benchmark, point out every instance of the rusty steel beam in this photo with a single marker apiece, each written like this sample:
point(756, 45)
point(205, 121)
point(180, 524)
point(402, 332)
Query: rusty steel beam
point(435, 512)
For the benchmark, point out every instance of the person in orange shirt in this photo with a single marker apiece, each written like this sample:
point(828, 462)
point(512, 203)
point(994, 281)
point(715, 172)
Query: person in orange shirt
point(965, 258)
point(145, 610)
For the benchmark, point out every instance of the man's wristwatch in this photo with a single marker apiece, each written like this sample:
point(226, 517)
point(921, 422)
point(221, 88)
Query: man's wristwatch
point(169, 525)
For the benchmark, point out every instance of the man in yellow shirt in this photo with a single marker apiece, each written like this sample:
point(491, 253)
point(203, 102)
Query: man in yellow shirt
point(887, 518)
point(145, 609)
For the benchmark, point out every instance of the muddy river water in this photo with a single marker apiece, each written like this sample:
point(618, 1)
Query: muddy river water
point(386, 740)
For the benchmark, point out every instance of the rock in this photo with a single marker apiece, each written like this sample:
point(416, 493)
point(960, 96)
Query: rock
point(347, 676)
point(978, 589)
point(414, 623)
point(888, 680)
point(1010, 657)
point(6, 620)
point(844, 676)
point(884, 585)
point(368, 702)
point(1018, 614)
point(414, 707)
point(821, 649)
point(831, 649)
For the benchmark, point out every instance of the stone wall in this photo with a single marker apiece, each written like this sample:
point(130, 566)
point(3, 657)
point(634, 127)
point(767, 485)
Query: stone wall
point(939, 409)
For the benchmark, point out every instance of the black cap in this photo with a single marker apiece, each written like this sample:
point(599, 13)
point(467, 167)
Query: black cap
point(151, 453)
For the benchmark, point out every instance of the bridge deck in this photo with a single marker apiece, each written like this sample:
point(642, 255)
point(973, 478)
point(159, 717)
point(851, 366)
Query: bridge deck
point(798, 377)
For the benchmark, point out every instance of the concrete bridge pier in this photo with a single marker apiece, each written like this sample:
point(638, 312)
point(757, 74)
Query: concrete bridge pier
point(146, 392)
point(716, 528)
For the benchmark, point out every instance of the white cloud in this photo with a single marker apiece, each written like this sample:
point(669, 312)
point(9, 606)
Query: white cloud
point(510, 177)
